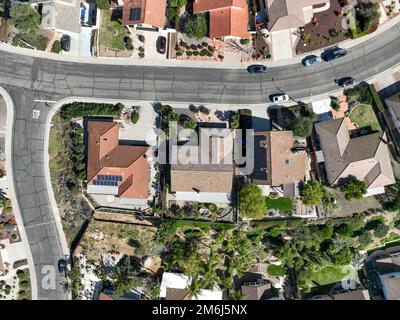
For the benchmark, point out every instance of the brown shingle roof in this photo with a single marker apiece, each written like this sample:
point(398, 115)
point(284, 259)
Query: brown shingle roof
point(356, 157)
point(282, 166)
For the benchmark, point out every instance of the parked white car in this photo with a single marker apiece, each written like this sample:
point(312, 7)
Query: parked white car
point(282, 97)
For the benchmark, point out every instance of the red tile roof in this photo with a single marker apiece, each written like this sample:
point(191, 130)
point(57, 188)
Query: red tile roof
point(107, 157)
point(227, 17)
point(152, 12)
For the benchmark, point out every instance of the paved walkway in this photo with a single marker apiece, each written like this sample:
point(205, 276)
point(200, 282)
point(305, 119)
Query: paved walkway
point(194, 64)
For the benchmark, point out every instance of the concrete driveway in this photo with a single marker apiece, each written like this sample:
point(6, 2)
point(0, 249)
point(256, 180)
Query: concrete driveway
point(143, 130)
point(282, 45)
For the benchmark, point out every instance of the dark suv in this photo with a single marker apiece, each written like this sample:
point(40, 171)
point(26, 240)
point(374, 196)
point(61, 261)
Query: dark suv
point(62, 266)
point(333, 53)
point(65, 42)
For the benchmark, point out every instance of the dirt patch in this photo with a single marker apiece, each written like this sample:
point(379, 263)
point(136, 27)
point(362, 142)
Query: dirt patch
point(123, 239)
point(107, 52)
point(319, 33)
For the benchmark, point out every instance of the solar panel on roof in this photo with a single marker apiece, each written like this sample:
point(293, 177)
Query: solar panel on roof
point(135, 14)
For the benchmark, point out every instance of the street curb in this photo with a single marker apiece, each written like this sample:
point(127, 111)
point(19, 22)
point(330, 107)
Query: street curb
point(10, 182)
point(347, 44)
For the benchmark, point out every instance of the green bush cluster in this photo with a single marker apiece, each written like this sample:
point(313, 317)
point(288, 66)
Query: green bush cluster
point(82, 109)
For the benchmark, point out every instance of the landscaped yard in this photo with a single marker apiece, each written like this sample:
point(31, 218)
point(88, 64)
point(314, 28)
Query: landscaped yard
point(349, 207)
point(330, 275)
point(284, 205)
point(275, 270)
point(364, 116)
point(112, 32)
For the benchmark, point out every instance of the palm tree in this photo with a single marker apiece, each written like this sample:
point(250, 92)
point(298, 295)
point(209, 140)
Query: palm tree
point(236, 295)
point(194, 288)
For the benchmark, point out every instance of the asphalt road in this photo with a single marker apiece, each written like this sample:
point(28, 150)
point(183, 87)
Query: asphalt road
point(28, 79)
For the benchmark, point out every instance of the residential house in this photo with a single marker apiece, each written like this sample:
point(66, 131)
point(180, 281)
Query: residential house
point(175, 286)
point(208, 175)
point(63, 16)
point(114, 169)
point(144, 13)
point(392, 118)
point(388, 268)
point(74, 18)
point(277, 162)
point(285, 17)
point(108, 295)
point(256, 290)
point(228, 18)
point(365, 157)
point(356, 294)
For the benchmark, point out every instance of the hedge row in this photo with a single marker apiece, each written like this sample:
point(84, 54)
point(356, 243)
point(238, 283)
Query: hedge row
point(204, 224)
point(82, 109)
point(281, 223)
point(378, 105)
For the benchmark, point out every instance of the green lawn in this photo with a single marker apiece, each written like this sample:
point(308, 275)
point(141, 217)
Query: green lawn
point(112, 33)
point(329, 275)
point(275, 270)
point(284, 205)
point(364, 116)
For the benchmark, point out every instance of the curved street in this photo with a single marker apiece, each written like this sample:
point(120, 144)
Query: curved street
point(29, 79)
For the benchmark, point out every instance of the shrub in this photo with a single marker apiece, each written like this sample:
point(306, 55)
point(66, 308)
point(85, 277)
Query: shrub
point(135, 117)
point(189, 124)
point(302, 126)
point(397, 223)
point(312, 193)
point(141, 37)
point(275, 270)
point(334, 33)
point(354, 189)
point(81, 109)
point(234, 122)
point(381, 230)
point(244, 41)
point(141, 54)
point(365, 238)
point(252, 202)
point(103, 4)
point(196, 27)
point(189, 53)
point(196, 53)
point(56, 48)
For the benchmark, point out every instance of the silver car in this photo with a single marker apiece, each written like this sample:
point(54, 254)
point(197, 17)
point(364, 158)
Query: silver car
point(311, 60)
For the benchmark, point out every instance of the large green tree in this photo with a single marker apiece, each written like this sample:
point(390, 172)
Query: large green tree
point(252, 202)
point(125, 277)
point(25, 18)
point(354, 189)
point(177, 3)
point(302, 126)
point(312, 193)
point(196, 27)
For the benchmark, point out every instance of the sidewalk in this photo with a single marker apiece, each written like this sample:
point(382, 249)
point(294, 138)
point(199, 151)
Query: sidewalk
point(347, 44)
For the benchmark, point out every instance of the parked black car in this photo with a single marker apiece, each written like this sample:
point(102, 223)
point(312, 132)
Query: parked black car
point(346, 82)
point(65, 42)
point(257, 68)
point(62, 266)
point(161, 44)
point(333, 53)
